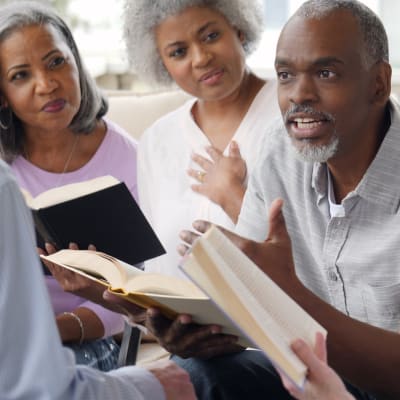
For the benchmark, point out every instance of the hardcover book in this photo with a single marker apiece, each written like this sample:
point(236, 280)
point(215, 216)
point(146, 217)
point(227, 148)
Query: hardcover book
point(102, 212)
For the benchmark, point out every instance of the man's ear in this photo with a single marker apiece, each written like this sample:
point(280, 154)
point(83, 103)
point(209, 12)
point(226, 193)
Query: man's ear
point(382, 83)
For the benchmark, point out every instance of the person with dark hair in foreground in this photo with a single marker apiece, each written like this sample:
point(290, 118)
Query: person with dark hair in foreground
point(195, 161)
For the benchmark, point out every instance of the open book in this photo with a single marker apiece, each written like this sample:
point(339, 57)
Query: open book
point(262, 311)
point(100, 211)
point(171, 295)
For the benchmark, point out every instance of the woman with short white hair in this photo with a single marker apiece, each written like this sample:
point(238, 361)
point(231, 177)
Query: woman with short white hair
point(194, 162)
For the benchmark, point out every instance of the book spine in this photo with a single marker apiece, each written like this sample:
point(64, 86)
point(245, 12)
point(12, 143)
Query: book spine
point(44, 231)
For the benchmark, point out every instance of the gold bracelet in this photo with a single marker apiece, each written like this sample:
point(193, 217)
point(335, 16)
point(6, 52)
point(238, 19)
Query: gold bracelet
point(77, 319)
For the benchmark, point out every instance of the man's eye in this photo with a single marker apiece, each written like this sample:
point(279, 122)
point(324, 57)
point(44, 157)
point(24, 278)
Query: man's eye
point(282, 76)
point(326, 74)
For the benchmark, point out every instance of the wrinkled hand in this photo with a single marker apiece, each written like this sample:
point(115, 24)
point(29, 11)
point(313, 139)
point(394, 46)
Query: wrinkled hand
point(322, 382)
point(186, 339)
point(221, 179)
point(174, 380)
point(273, 256)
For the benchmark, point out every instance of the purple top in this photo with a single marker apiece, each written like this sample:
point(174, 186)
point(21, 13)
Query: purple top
point(116, 156)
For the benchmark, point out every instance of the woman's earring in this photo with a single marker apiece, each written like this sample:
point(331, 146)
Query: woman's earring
point(5, 111)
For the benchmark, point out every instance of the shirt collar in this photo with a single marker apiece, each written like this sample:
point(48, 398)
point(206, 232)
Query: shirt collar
point(381, 182)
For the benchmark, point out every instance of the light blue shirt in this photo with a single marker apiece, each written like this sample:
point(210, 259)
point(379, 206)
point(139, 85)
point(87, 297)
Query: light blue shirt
point(33, 363)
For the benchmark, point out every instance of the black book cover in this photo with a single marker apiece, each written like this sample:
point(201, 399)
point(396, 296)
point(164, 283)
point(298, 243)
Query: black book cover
point(110, 219)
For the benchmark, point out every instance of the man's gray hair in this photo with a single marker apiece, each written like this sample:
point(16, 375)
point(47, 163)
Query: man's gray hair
point(141, 17)
point(371, 27)
point(13, 17)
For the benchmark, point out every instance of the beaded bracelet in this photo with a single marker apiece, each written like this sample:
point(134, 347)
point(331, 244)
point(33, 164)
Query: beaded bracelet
point(77, 319)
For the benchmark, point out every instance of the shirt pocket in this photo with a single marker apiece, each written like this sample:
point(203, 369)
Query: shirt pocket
point(382, 306)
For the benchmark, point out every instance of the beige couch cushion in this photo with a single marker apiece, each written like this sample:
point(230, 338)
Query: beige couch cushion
point(136, 112)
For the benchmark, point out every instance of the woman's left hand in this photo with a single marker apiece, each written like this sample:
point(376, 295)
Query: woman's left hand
point(68, 280)
point(221, 179)
point(322, 381)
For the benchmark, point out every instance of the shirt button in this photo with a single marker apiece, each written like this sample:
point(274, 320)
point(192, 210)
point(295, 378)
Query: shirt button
point(332, 276)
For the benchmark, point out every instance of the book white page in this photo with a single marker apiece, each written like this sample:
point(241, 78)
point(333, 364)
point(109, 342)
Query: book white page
point(115, 272)
point(266, 314)
point(70, 191)
point(266, 292)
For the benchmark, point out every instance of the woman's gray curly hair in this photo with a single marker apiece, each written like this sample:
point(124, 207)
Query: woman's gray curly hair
point(141, 17)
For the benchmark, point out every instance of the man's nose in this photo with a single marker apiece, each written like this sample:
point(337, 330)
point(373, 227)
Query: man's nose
point(303, 90)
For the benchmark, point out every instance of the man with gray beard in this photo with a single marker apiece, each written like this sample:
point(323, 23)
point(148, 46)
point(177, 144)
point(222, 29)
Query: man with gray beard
point(341, 194)
point(309, 151)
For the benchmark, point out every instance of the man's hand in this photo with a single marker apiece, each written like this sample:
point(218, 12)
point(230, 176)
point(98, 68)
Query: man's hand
point(273, 256)
point(174, 380)
point(179, 336)
point(186, 339)
point(135, 313)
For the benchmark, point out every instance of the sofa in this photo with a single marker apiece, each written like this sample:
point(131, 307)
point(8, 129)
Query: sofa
point(135, 112)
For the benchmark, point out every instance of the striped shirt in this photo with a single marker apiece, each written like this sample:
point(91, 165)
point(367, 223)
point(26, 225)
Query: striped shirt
point(352, 259)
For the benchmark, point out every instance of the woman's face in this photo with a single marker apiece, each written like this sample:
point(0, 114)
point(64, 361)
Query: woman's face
point(202, 52)
point(39, 78)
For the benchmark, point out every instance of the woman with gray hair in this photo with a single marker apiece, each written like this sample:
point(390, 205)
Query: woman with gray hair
point(52, 132)
point(190, 166)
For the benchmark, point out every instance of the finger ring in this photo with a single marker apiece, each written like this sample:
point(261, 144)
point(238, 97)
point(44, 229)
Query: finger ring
point(200, 176)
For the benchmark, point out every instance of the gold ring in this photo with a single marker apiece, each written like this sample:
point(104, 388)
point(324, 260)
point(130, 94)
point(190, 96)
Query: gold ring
point(200, 176)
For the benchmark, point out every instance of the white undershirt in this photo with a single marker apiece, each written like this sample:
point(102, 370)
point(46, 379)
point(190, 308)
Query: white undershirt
point(165, 190)
point(336, 210)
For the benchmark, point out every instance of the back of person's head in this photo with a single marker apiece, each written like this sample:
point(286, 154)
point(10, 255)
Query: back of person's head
point(17, 15)
point(141, 17)
point(371, 27)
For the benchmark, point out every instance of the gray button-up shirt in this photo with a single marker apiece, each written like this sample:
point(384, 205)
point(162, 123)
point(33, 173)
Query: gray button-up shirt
point(352, 261)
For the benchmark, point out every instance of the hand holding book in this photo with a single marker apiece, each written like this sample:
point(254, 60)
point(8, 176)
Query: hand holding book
point(236, 297)
point(249, 288)
point(273, 256)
